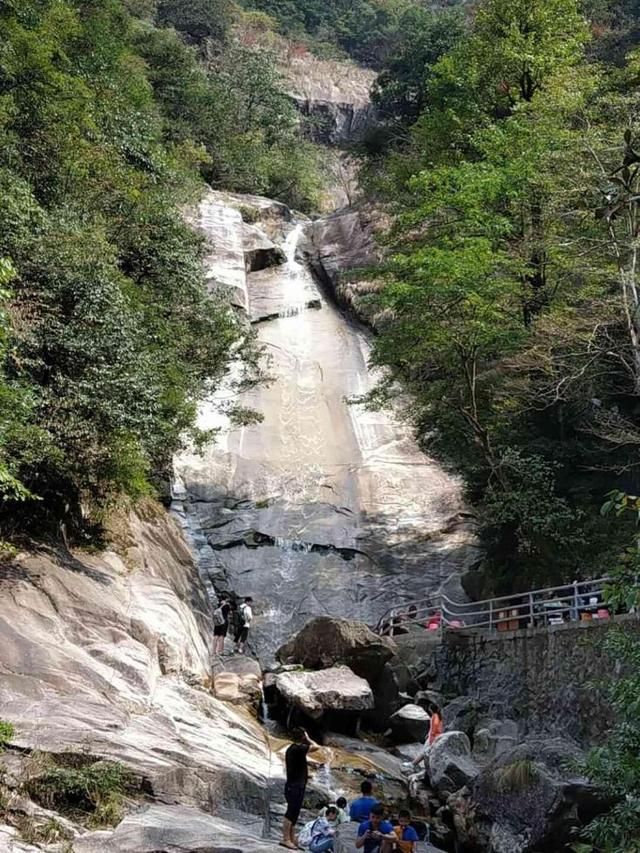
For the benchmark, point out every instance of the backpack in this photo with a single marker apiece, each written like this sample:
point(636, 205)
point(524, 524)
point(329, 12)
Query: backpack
point(242, 615)
point(218, 617)
point(305, 836)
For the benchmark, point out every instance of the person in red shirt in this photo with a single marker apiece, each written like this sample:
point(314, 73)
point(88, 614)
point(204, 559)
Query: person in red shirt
point(436, 728)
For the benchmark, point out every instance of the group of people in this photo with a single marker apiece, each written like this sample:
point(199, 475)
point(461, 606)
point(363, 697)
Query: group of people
point(375, 834)
point(227, 614)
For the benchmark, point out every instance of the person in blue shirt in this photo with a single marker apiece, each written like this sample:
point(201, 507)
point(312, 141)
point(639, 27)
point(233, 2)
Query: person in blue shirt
point(405, 834)
point(360, 808)
point(376, 835)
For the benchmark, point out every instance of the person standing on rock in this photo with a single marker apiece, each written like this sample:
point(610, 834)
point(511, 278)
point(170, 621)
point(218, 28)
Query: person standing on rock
point(220, 625)
point(245, 617)
point(295, 759)
point(435, 730)
point(376, 835)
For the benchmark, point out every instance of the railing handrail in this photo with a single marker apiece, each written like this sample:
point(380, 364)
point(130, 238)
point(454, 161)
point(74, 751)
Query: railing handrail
point(441, 604)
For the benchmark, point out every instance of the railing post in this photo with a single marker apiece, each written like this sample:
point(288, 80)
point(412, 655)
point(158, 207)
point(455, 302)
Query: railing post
point(531, 614)
point(576, 602)
point(491, 615)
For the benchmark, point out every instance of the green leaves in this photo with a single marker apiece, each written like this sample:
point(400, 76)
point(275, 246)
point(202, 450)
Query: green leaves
point(108, 338)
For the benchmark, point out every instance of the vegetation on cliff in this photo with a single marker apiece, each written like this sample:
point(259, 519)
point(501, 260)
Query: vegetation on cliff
point(368, 30)
point(510, 287)
point(108, 123)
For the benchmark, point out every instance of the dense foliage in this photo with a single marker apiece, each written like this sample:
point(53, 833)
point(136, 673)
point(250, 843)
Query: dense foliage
point(614, 766)
point(510, 288)
point(368, 30)
point(107, 336)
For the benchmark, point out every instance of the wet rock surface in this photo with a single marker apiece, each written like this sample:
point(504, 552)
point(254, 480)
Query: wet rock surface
point(323, 507)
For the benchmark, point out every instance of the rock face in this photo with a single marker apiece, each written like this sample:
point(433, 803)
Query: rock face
point(334, 689)
point(342, 242)
point(322, 507)
point(174, 829)
point(333, 97)
point(529, 798)
point(451, 765)
point(107, 654)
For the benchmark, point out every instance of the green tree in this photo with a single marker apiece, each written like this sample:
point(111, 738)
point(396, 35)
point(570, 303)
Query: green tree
point(198, 20)
point(615, 765)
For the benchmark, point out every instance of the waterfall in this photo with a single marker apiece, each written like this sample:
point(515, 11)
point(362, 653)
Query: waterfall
point(322, 508)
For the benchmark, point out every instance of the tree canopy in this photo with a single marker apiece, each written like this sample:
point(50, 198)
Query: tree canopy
point(108, 337)
point(509, 288)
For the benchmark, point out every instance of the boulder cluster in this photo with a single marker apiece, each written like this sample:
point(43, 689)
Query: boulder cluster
point(486, 785)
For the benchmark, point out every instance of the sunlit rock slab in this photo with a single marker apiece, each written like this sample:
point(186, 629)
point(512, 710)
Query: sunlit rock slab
point(106, 655)
point(173, 829)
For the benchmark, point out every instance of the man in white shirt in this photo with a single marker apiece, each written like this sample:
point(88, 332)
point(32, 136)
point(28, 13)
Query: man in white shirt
point(245, 617)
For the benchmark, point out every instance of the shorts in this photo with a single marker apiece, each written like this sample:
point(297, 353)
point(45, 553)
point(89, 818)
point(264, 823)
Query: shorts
point(220, 630)
point(294, 795)
point(241, 635)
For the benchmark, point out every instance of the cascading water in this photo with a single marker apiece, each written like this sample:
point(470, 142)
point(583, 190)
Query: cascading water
point(322, 507)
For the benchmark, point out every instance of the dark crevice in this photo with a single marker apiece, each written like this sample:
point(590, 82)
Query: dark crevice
point(312, 304)
point(255, 539)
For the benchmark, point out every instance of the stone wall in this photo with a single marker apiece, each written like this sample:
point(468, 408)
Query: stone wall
point(546, 679)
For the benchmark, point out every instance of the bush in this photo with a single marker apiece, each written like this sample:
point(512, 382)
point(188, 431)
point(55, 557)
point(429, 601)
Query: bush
point(69, 785)
point(7, 732)
point(518, 776)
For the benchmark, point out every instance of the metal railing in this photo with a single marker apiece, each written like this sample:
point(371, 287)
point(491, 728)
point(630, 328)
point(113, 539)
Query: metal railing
point(582, 600)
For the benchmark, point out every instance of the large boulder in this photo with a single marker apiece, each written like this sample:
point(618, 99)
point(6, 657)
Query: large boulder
point(237, 679)
point(461, 715)
point(529, 797)
point(326, 641)
point(339, 243)
point(259, 251)
point(334, 689)
point(451, 765)
point(409, 724)
point(492, 738)
point(174, 829)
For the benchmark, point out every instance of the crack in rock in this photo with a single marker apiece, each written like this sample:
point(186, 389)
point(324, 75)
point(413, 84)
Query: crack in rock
point(255, 539)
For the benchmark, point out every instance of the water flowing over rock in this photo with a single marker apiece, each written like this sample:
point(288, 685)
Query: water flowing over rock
point(324, 507)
